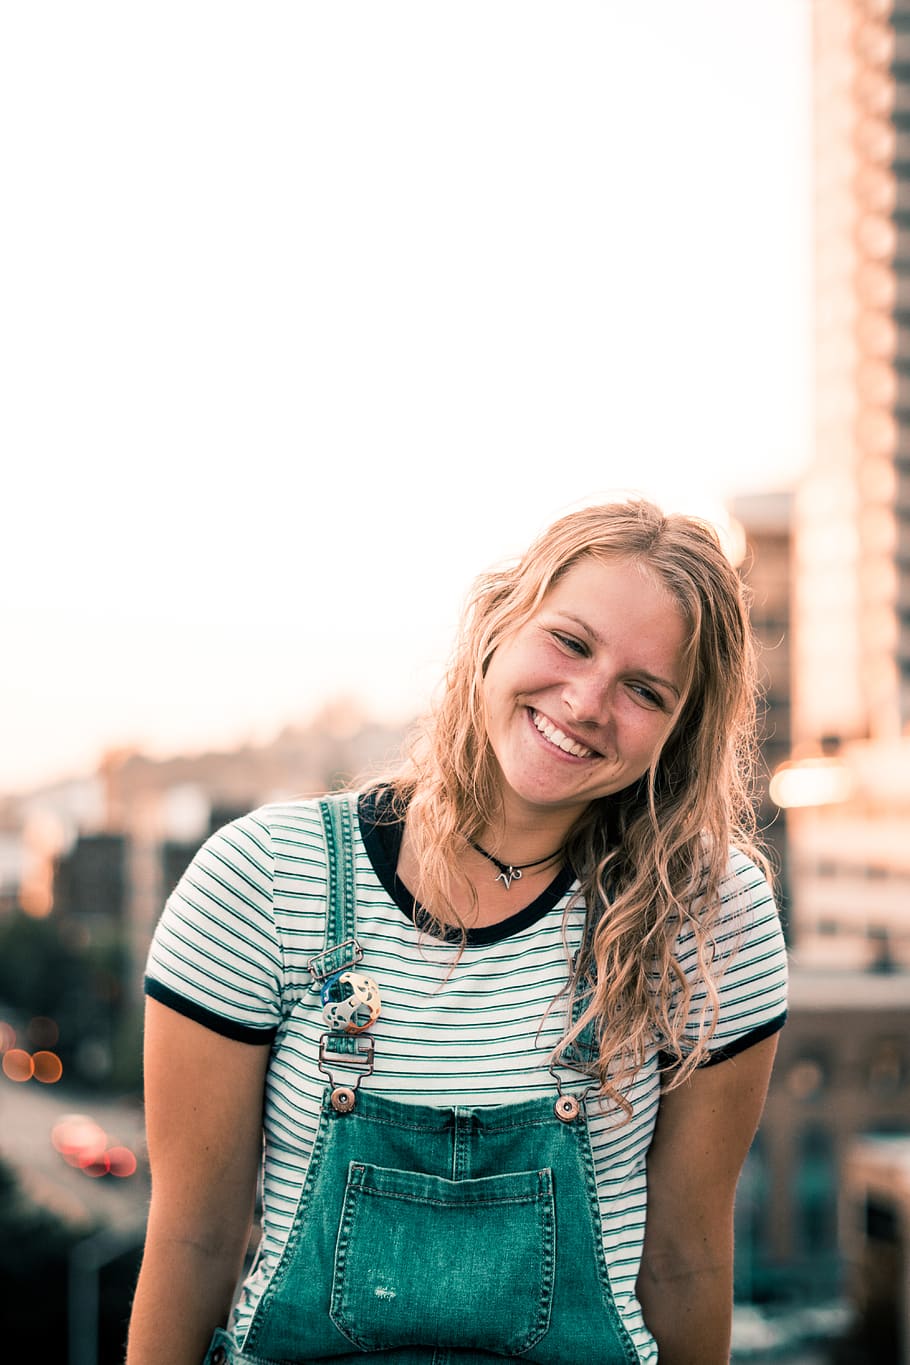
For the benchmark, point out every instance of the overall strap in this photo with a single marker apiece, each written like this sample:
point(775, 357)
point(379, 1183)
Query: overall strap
point(351, 1052)
point(340, 946)
point(580, 1053)
point(579, 1056)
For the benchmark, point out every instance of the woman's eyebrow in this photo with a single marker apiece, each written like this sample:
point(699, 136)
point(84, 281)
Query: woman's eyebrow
point(641, 672)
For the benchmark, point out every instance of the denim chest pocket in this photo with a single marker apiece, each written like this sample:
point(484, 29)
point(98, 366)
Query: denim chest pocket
point(423, 1261)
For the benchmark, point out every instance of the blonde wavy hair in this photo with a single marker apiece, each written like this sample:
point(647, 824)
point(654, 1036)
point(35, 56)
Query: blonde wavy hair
point(650, 859)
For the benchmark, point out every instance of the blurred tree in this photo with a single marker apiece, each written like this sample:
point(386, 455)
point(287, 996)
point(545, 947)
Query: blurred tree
point(74, 975)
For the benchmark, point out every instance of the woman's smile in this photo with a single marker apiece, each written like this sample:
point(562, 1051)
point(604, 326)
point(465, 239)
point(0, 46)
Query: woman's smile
point(558, 739)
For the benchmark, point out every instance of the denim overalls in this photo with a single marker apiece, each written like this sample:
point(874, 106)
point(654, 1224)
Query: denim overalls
point(432, 1235)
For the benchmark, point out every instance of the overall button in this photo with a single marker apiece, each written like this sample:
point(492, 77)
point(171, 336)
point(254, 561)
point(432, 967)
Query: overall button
point(343, 1099)
point(219, 1355)
point(567, 1108)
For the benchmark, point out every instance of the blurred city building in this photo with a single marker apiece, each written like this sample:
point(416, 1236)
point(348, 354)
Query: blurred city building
point(823, 1200)
point(89, 879)
point(852, 581)
point(876, 1232)
point(765, 520)
point(849, 828)
point(847, 786)
point(842, 1070)
point(102, 854)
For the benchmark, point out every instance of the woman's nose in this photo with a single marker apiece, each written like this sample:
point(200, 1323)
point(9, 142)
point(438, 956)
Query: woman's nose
point(587, 699)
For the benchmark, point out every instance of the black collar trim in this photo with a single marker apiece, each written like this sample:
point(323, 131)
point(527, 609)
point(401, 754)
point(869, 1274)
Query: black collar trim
point(382, 838)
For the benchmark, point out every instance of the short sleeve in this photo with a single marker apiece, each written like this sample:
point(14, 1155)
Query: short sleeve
point(215, 954)
point(751, 964)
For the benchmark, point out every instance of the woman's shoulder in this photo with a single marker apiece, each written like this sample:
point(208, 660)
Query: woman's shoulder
point(297, 812)
point(745, 881)
point(741, 911)
point(248, 850)
point(284, 822)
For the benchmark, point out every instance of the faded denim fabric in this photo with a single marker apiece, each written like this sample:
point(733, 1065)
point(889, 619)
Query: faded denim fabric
point(432, 1234)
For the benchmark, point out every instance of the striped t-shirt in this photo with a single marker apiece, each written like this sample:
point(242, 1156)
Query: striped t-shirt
point(231, 951)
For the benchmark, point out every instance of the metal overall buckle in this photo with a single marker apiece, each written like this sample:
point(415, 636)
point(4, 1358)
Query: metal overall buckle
point(356, 1055)
point(332, 960)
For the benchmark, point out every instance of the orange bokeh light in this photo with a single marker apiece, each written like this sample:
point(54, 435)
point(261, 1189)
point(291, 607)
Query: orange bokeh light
point(7, 1036)
point(48, 1067)
point(18, 1064)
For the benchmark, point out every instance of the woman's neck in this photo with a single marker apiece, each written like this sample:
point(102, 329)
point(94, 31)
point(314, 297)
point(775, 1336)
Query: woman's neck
point(482, 895)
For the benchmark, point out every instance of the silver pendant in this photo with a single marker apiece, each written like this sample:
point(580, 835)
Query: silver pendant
point(508, 875)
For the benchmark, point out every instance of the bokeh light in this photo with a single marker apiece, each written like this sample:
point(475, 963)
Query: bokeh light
point(18, 1064)
point(811, 782)
point(83, 1143)
point(96, 1166)
point(43, 1032)
point(805, 1079)
point(78, 1139)
point(7, 1036)
point(48, 1067)
point(122, 1161)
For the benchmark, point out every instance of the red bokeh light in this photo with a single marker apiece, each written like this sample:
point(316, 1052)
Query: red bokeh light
point(96, 1166)
point(84, 1144)
point(122, 1161)
point(78, 1139)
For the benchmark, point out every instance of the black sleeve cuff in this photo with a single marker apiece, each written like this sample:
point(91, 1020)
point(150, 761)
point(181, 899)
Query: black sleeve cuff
point(228, 1028)
point(731, 1049)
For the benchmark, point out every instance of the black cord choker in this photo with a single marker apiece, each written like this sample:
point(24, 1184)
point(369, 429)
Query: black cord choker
point(511, 872)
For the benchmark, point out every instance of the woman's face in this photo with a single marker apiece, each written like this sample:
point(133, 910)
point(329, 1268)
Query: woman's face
point(579, 698)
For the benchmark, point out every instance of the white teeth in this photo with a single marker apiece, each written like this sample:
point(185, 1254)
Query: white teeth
point(556, 736)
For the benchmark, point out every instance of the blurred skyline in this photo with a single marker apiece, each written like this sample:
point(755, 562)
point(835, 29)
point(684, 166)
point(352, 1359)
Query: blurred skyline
point(311, 313)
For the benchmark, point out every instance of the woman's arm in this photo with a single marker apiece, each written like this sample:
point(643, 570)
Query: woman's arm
point(704, 1129)
point(204, 1098)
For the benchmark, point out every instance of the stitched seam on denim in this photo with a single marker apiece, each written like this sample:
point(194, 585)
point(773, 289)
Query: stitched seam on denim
point(586, 1157)
point(338, 1311)
point(519, 1124)
point(341, 912)
point(546, 1223)
point(546, 1231)
point(460, 1145)
point(282, 1267)
point(405, 1127)
point(544, 1122)
point(468, 1202)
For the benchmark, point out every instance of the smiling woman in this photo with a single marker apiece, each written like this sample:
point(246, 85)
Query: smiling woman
point(516, 1128)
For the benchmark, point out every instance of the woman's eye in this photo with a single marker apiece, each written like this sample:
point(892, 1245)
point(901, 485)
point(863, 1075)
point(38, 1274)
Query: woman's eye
point(568, 642)
point(647, 694)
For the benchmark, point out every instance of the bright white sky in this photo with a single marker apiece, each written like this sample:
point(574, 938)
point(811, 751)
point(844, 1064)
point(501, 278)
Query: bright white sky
point(308, 312)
